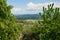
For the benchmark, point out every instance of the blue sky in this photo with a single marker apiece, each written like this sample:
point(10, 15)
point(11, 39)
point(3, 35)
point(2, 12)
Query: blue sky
point(30, 6)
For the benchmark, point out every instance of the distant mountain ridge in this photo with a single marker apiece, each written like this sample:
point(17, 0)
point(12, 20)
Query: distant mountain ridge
point(28, 16)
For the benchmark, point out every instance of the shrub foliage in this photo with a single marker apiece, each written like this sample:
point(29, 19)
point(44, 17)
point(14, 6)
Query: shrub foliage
point(50, 23)
point(8, 27)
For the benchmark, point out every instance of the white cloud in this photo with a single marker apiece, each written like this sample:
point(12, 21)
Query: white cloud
point(40, 5)
point(18, 10)
point(57, 5)
point(34, 8)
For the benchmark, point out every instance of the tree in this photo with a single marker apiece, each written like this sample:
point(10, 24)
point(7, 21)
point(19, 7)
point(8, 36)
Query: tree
point(8, 28)
point(50, 23)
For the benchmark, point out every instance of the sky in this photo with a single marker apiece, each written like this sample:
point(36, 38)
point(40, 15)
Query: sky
point(30, 6)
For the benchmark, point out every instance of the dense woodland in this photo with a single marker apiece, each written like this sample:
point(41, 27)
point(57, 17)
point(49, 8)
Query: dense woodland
point(12, 28)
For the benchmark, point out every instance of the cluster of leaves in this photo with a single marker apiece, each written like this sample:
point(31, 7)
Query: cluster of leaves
point(50, 23)
point(8, 28)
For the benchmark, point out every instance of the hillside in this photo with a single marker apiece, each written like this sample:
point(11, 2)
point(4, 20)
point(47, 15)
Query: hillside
point(28, 16)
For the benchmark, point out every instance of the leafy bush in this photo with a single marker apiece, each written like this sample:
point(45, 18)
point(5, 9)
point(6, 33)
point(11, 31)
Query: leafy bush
point(50, 23)
point(8, 28)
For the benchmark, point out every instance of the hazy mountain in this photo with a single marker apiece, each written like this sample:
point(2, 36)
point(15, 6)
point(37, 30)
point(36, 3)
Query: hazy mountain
point(28, 16)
